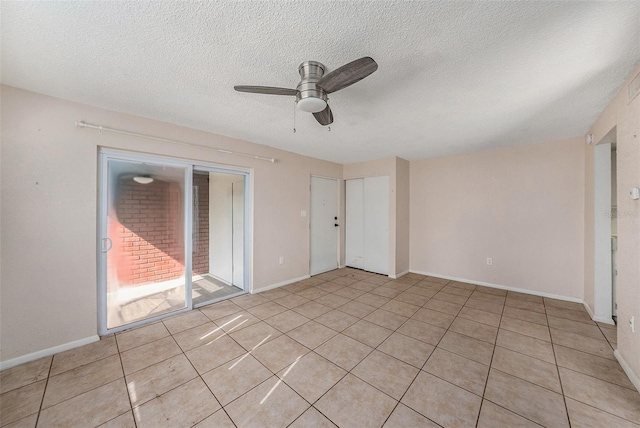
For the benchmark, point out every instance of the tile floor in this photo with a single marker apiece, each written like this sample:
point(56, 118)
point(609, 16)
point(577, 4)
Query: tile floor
point(344, 348)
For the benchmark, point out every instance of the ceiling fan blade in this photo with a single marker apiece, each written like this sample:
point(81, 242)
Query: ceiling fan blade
point(348, 74)
point(269, 90)
point(324, 117)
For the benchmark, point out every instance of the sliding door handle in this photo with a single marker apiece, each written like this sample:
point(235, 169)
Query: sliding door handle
point(107, 245)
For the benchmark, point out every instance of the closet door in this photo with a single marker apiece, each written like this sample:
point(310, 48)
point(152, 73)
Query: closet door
point(354, 233)
point(376, 224)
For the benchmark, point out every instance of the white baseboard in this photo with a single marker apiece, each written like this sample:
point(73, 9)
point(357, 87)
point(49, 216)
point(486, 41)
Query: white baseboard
point(398, 275)
point(503, 287)
point(635, 380)
point(279, 284)
point(604, 320)
point(47, 352)
point(588, 308)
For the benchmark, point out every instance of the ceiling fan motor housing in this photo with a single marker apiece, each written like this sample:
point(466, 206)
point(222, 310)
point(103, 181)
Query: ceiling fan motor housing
point(310, 97)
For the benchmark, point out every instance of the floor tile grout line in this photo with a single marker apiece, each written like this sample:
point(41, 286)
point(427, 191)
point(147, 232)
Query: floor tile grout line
point(248, 353)
point(605, 336)
point(299, 416)
point(124, 377)
point(564, 397)
point(373, 349)
point(511, 411)
point(84, 364)
point(284, 381)
point(486, 383)
point(44, 391)
point(373, 386)
point(603, 411)
point(403, 324)
point(199, 375)
point(422, 367)
point(182, 351)
point(84, 392)
point(558, 366)
point(490, 367)
point(521, 353)
point(591, 356)
point(559, 379)
point(597, 378)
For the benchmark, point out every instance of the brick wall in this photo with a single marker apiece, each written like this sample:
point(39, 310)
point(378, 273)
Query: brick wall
point(201, 224)
point(149, 237)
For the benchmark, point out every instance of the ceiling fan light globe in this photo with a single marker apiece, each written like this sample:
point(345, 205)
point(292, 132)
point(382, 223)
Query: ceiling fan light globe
point(312, 104)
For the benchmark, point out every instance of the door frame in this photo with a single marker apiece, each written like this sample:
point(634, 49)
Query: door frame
point(602, 272)
point(337, 229)
point(104, 155)
point(248, 221)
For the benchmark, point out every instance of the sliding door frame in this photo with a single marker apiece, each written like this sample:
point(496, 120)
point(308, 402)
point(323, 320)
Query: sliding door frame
point(247, 285)
point(106, 154)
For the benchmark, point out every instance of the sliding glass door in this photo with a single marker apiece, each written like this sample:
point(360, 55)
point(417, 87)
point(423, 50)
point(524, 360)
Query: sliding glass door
point(144, 244)
point(163, 249)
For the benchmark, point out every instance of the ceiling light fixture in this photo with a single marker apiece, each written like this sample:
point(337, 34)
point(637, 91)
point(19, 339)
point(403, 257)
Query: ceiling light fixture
point(310, 97)
point(143, 179)
point(312, 104)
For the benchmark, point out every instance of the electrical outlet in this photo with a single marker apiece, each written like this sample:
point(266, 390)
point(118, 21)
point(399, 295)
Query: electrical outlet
point(281, 260)
point(489, 261)
point(632, 324)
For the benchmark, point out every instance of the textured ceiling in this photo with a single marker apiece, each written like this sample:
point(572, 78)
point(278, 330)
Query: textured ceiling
point(453, 76)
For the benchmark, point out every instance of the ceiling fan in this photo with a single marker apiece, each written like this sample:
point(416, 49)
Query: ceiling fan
point(311, 92)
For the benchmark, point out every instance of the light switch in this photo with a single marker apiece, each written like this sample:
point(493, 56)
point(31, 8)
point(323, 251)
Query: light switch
point(303, 213)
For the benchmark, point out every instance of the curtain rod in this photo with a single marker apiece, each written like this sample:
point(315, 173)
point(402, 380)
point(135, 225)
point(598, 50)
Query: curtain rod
point(101, 128)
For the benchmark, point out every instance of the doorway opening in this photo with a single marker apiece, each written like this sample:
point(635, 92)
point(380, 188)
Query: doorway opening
point(218, 235)
point(605, 222)
point(164, 249)
point(614, 230)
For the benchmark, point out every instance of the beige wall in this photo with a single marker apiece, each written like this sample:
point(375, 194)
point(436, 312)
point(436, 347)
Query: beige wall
point(403, 186)
point(522, 206)
point(625, 116)
point(49, 194)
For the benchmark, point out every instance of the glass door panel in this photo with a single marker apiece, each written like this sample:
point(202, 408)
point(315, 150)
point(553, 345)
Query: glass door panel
point(145, 241)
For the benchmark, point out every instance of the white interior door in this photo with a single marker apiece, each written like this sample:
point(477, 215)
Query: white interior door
point(376, 224)
point(354, 223)
point(603, 299)
point(324, 218)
